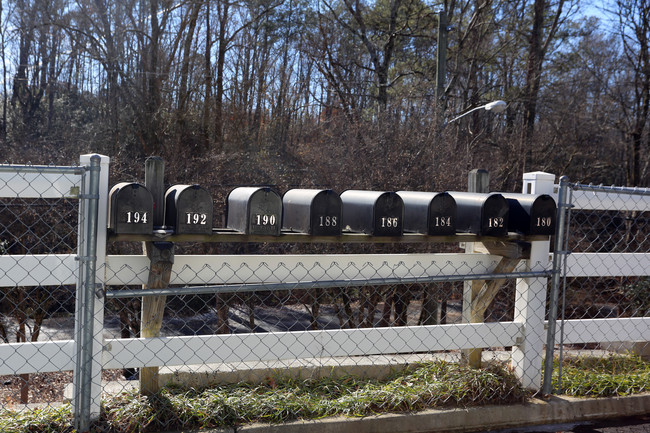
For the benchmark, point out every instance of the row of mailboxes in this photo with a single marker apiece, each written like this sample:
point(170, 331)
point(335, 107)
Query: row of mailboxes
point(261, 211)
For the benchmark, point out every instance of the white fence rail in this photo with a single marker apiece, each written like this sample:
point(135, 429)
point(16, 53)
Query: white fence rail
point(270, 269)
point(608, 264)
point(273, 346)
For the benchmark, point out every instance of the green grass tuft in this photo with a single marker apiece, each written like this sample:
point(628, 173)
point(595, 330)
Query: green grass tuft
point(40, 420)
point(280, 399)
point(615, 375)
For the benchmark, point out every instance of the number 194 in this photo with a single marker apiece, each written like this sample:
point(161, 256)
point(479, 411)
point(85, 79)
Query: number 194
point(136, 217)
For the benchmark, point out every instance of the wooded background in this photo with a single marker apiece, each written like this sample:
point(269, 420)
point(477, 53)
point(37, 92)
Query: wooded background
point(330, 93)
point(341, 94)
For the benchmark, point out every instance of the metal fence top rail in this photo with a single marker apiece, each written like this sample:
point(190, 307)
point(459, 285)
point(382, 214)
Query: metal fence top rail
point(50, 169)
point(225, 235)
point(256, 287)
point(611, 189)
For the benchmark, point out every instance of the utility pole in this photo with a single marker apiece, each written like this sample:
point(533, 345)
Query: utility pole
point(441, 60)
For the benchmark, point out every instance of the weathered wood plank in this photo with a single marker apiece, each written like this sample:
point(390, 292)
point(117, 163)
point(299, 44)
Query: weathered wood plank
point(161, 259)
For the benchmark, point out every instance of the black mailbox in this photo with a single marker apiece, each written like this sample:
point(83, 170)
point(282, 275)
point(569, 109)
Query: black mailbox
point(188, 209)
point(432, 213)
point(532, 214)
point(481, 214)
point(372, 212)
point(255, 211)
point(130, 209)
point(313, 211)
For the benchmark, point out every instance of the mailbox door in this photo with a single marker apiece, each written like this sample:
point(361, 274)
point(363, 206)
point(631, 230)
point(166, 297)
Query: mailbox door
point(543, 216)
point(532, 214)
point(494, 216)
point(432, 213)
point(189, 209)
point(442, 215)
point(325, 214)
point(131, 209)
point(264, 212)
point(389, 215)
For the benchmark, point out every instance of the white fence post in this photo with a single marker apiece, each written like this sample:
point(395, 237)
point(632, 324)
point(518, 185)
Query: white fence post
point(98, 317)
point(530, 297)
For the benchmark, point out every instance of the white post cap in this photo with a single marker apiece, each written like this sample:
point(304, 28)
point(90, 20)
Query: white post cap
point(538, 182)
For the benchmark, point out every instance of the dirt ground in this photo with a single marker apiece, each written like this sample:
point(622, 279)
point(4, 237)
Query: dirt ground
point(43, 387)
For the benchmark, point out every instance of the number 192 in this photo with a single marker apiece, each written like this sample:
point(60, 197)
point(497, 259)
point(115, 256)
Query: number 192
point(196, 218)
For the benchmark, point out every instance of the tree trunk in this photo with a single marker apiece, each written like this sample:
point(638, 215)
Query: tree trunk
point(401, 303)
point(429, 311)
point(538, 46)
point(3, 127)
point(223, 327)
point(183, 93)
point(221, 61)
point(207, 81)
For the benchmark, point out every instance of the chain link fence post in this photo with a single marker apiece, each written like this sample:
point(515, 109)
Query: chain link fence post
point(86, 294)
point(559, 255)
point(90, 304)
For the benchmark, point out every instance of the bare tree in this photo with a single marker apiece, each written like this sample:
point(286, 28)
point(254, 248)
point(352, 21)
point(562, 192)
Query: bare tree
point(539, 43)
point(634, 31)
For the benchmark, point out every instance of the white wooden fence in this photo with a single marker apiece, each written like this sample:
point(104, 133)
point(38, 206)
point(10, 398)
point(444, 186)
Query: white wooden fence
point(526, 333)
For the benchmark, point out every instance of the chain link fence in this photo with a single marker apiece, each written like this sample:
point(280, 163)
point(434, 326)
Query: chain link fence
point(261, 319)
point(300, 311)
point(604, 303)
point(39, 217)
point(259, 313)
point(286, 293)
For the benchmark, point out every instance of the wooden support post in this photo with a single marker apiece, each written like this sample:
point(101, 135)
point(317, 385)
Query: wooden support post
point(489, 290)
point(478, 180)
point(161, 257)
point(479, 294)
point(471, 357)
